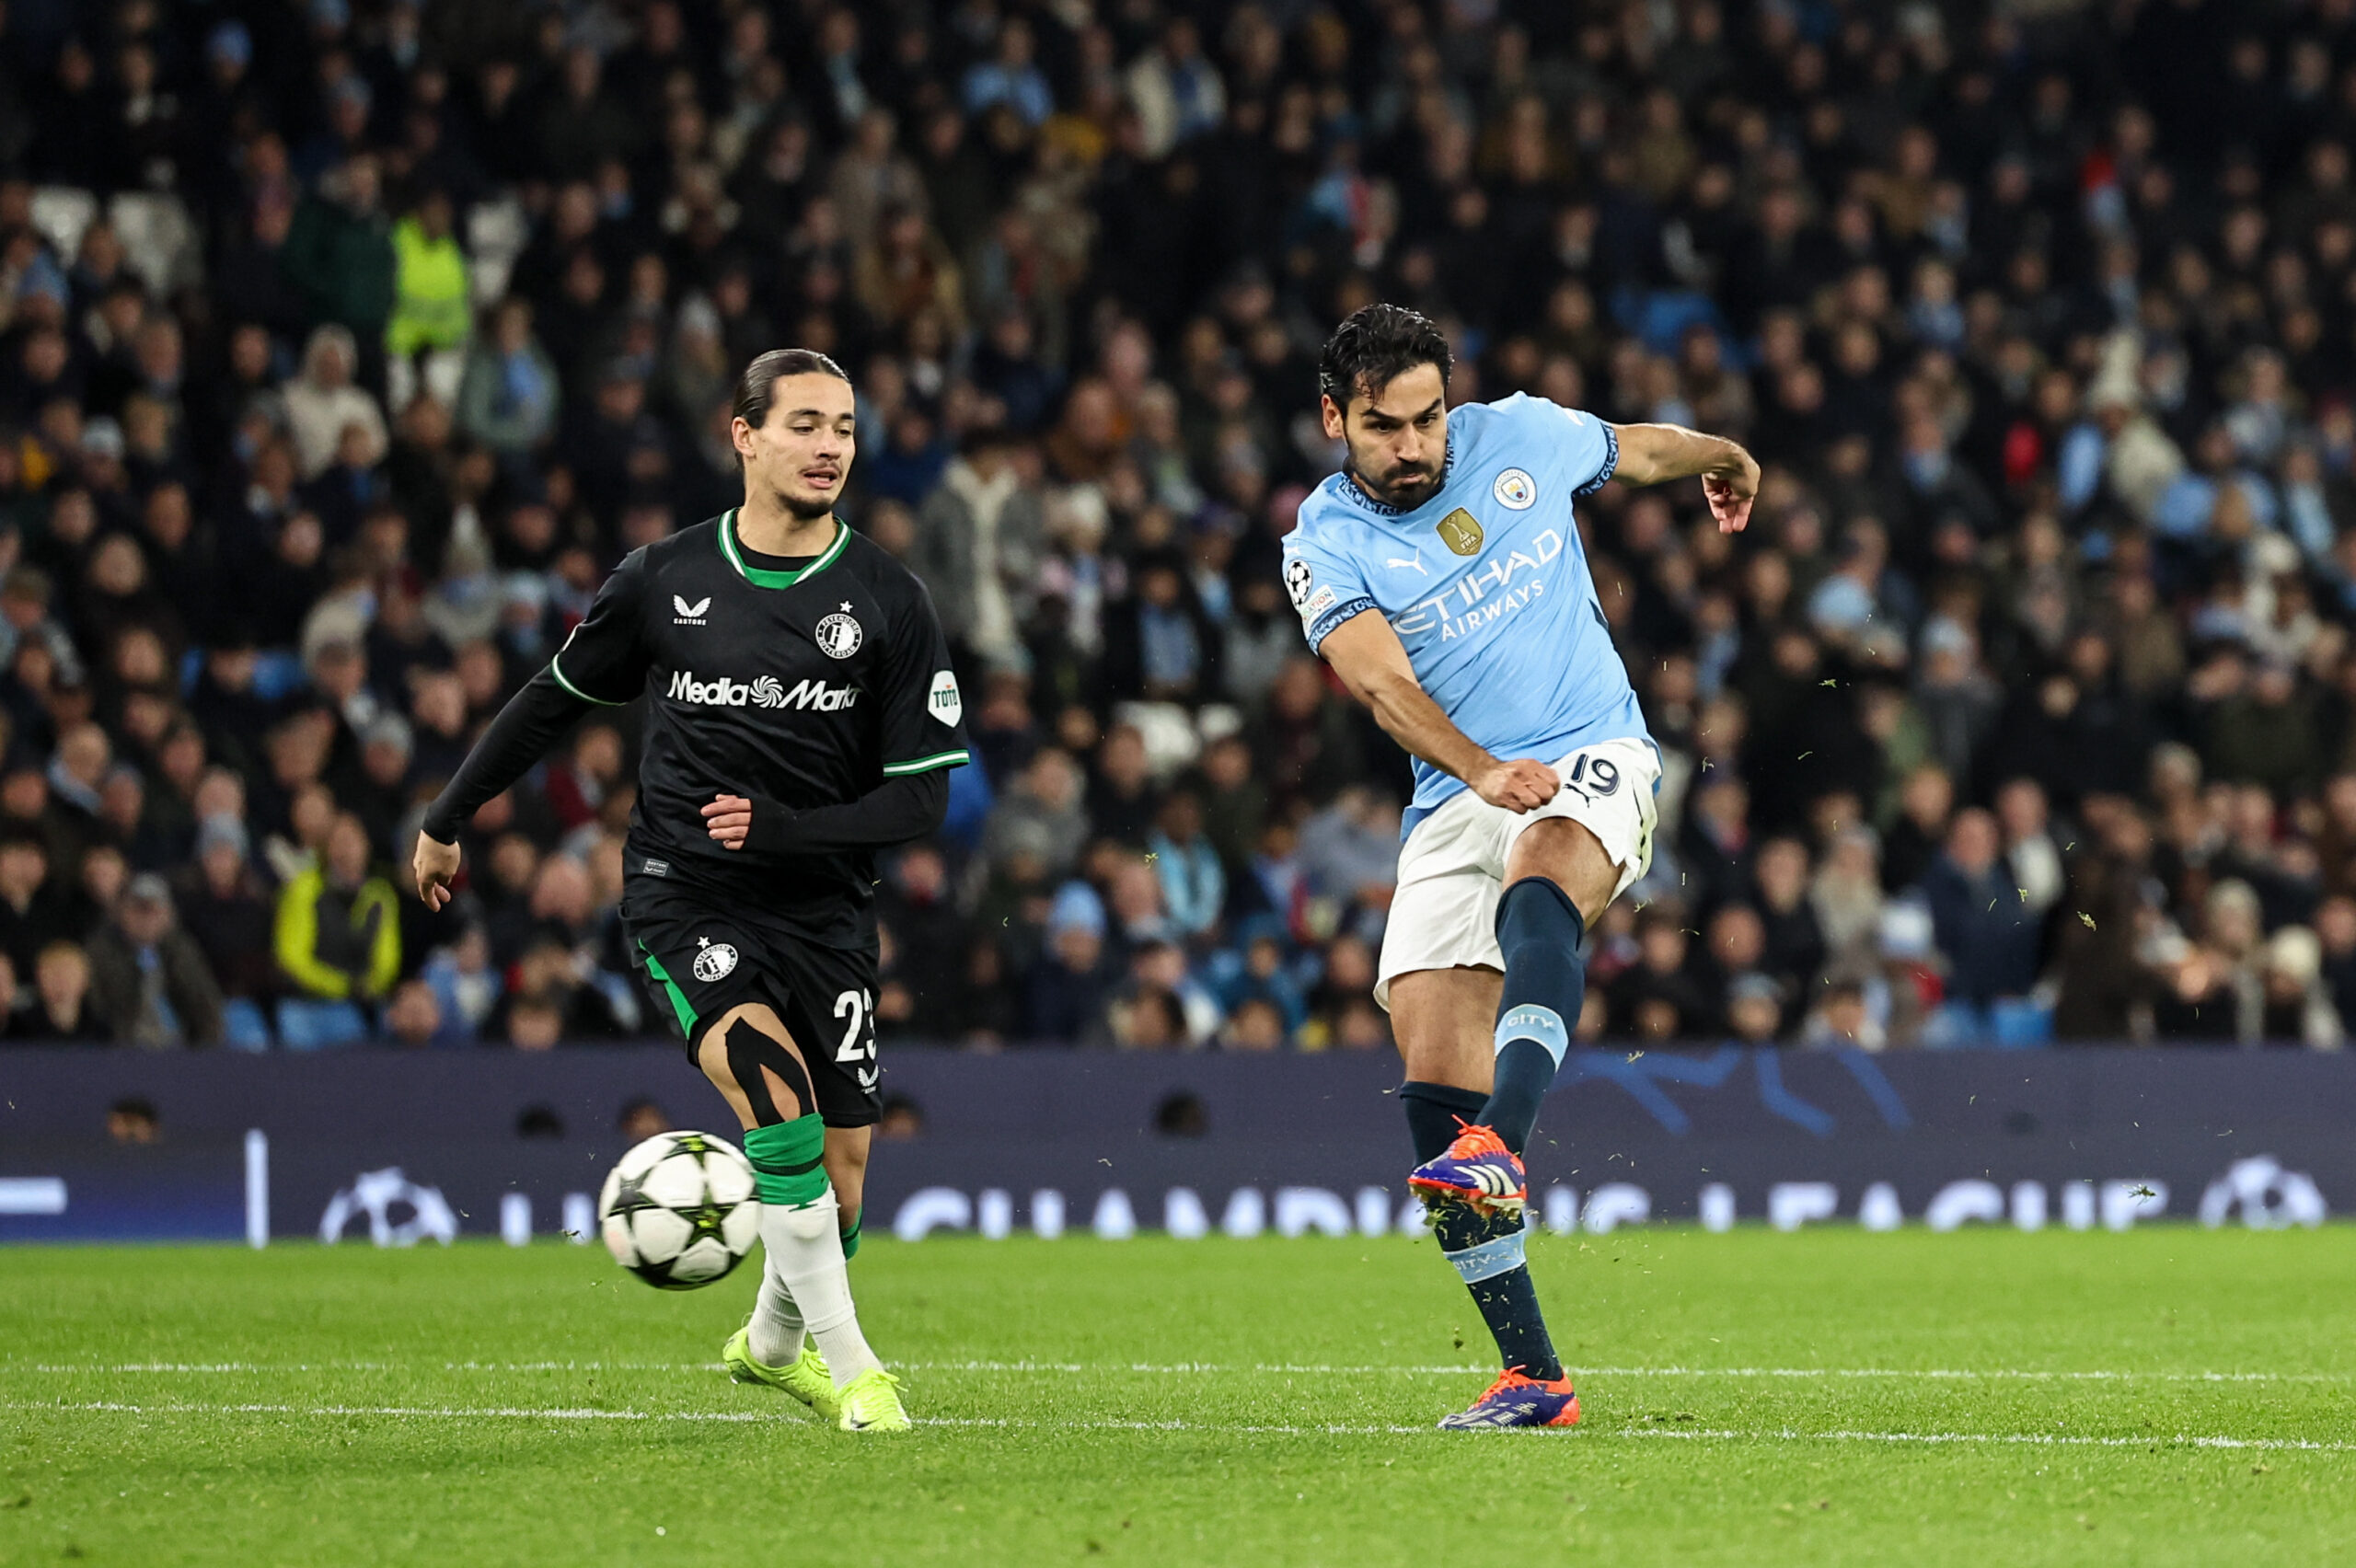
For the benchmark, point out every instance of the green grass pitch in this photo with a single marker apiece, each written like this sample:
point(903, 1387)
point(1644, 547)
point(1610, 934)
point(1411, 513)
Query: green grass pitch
point(2166, 1395)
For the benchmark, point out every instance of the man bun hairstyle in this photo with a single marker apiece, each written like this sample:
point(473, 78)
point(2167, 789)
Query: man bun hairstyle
point(1374, 346)
point(753, 388)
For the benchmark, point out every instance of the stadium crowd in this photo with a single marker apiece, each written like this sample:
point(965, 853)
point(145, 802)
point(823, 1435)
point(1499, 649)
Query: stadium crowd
point(346, 344)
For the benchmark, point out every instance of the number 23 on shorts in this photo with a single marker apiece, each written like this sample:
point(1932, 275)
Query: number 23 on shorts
point(858, 1045)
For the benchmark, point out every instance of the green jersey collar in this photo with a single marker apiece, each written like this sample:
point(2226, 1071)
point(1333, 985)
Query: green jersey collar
point(762, 577)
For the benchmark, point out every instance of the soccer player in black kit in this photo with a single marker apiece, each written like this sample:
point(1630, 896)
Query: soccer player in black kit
point(802, 713)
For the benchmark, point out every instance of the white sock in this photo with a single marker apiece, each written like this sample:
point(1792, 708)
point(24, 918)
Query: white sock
point(774, 1335)
point(806, 1253)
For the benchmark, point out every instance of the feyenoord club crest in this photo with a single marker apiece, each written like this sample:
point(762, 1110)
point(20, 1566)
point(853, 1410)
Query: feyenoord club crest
point(838, 636)
point(715, 961)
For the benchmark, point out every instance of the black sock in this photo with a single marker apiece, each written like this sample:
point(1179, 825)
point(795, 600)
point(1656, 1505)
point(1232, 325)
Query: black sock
point(1540, 930)
point(1507, 1300)
point(1487, 1252)
point(1435, 1114)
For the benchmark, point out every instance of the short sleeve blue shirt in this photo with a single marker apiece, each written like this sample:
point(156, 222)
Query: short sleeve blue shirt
point(1486, 583)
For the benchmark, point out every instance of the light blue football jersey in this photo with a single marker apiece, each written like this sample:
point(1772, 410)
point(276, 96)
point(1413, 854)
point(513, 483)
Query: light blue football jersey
point(1486, 583)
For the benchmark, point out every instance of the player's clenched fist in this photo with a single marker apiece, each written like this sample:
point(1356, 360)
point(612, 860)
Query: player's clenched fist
point(1518, 785)
point(435, 864)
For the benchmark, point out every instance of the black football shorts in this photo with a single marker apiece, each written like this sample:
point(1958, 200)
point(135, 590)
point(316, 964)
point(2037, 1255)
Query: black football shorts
point(701, 956)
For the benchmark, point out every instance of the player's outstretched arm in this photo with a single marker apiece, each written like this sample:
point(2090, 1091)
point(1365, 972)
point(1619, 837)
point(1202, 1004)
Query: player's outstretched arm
point(1650, 453)
point(519, 737)
point(1373, 663)
point(603, 653)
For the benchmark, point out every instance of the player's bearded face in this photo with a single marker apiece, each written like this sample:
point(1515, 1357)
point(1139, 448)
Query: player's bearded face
point(1398, 438)
point(802, 453)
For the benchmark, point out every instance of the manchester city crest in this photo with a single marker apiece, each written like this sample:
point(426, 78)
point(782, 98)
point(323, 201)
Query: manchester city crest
point(1515, 489)
point(839, 635)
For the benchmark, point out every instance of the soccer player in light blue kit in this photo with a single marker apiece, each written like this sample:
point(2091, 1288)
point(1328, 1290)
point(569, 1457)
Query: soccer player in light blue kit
point(1441, 574)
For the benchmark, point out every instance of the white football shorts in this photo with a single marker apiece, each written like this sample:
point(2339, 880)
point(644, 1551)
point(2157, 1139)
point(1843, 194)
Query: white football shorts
point(1452, 867)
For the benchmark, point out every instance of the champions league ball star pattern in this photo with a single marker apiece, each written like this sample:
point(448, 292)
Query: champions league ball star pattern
point(679, 1210)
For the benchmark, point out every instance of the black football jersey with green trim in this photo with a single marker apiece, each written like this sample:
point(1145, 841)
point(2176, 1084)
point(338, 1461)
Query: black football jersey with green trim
point(810, 687)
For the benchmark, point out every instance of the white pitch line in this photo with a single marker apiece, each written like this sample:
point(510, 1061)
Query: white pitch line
point(1205, 1367)
point(442, 1413)
point(2030, 1439)
point(257, 1366)
point(1957, 1374)
point(1780, 1435)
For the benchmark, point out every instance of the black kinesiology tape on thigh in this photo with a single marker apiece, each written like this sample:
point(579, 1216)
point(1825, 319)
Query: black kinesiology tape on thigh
point(750, 1050)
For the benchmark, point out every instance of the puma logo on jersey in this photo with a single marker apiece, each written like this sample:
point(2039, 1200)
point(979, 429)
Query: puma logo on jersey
point(689, 615)
point(1416, 565)
point(806, 696)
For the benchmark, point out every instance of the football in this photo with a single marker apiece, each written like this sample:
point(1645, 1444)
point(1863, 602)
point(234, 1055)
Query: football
point(679, 1210)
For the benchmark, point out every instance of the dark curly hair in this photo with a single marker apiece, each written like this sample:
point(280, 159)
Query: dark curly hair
point(1374, 346)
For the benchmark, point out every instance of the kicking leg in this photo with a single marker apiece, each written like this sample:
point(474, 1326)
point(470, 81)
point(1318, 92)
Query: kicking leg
point(1557, 873)
point(750, 1057)
point(1471, 1169)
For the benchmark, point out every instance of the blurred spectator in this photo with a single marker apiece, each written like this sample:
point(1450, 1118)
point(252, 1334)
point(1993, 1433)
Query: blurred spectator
point(338, 938)
point(414, 1015)
point(1148, 1019)
point(339, 252)
point(550, 980)
point(425, 338)
point(61, 1010)
point(1066, 988)
point(980, 542)
point(2294, 1007)
point(1348, 983)
point(1194, 884)
point(150, 981)
point(1845, 898)
point(465, 987)
point(1120, 800)
point(509, 397)
point(1261, 973)
point(642, 1119)
point(1350, 850)
point(229, 914)
point(902, 1121)
point(1257, 1024)
point(1661, 996)
point(1754, 1009)
point(1843, 1019)
point(132, 1120)
point(322, 404)
point(30, 910)
point(1986, 927)
point(1041, 817)
point(533, 1023)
